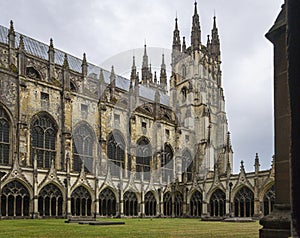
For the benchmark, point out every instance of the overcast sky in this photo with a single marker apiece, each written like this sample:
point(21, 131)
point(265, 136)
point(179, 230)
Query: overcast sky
point(105, 28)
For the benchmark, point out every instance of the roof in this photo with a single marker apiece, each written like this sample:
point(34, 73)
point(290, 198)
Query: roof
point(40, 50)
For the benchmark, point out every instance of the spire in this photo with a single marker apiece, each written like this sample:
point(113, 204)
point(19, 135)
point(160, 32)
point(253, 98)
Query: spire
point(66, 74)
point(11, 35)
point(163, 73)
point(215, 41)
point(155, 77)
point(242, 168)
point(21, 43)
point(256, 164)
point(84, 66)
point(228, 146)
point(51, 52)
point(66, 63)
point(145, 68)
point(133, 71)
point(196, 31)
point(11, 29)
point(101, 84)
point(21, 57)
point(183, 44)
point(112, 75)
point(145, 57)
point(176, 37)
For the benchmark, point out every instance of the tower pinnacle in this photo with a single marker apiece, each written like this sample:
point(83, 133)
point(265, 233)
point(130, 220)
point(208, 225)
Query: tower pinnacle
point(196, 31)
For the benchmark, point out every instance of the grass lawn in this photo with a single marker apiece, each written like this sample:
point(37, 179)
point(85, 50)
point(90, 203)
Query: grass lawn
point(133, 228)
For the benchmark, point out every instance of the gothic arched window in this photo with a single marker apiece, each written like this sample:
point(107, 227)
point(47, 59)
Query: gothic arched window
point(187, 166)
point(244, 203)
point(130, 204)
point(43, 140)
point(15, 200)
point(116, 153)
point(184, 94)
point(269, 200)
point(183, 71)
point(107, 203)
point(83, 142)
point(196, 204)
point(167, 163)
point(4, 137)
point(217, 203)
point(143, 159)
point(150, 204)
point(50, 201)
point(81, 202)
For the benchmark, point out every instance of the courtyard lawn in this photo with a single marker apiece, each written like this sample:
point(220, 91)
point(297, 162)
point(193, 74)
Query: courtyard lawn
point(135, 227)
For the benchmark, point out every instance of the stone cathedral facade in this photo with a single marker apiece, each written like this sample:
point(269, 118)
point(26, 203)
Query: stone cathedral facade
point(78, 140)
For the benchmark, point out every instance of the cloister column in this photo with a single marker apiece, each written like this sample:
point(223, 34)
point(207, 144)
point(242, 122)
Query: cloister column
point(35, 200)
point(277, 224)
point(204, 204)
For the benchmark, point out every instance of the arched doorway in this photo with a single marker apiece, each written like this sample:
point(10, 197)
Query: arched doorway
point(150, 204)
point(244, 203)
point(269, 200)
point(130, 204)
point(167, 204)
point(107, 203)
point(217, 203)
point(196, 204)
point(15, 200)
point(50, 201)
point(81, 202)
point(178, 203)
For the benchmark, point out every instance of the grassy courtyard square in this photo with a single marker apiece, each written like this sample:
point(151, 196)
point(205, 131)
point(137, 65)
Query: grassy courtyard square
point(133, 228)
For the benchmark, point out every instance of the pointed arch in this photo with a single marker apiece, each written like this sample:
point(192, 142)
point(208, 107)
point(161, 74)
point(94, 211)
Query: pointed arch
point(43, 132)
point(167, 202)
point(15, 198)
point(184, 92)
point(33, 72)
point(5, 137)
point(143, 158)
point(269, 200)
point(83, 147)
point(81, 202)
point(107, 202)
point(187, 165)
point(116, 148)
point(196, 204)
point(150, 204)
point(130, 204)
point(167, 163)
point(50, 201)
point(244, 202)
point(217, 203)
point(178, 204)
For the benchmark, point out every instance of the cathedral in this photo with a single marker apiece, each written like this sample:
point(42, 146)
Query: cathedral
point(77, 140)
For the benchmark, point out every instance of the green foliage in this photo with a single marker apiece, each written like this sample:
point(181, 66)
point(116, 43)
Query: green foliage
point(55, 228)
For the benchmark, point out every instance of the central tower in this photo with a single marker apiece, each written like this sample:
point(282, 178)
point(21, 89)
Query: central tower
point(196, 94)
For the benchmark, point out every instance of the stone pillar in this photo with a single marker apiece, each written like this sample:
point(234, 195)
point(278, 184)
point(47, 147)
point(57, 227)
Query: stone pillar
point(277, 224)
point(96, 212)
point(293, 32)
point(35, 213)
